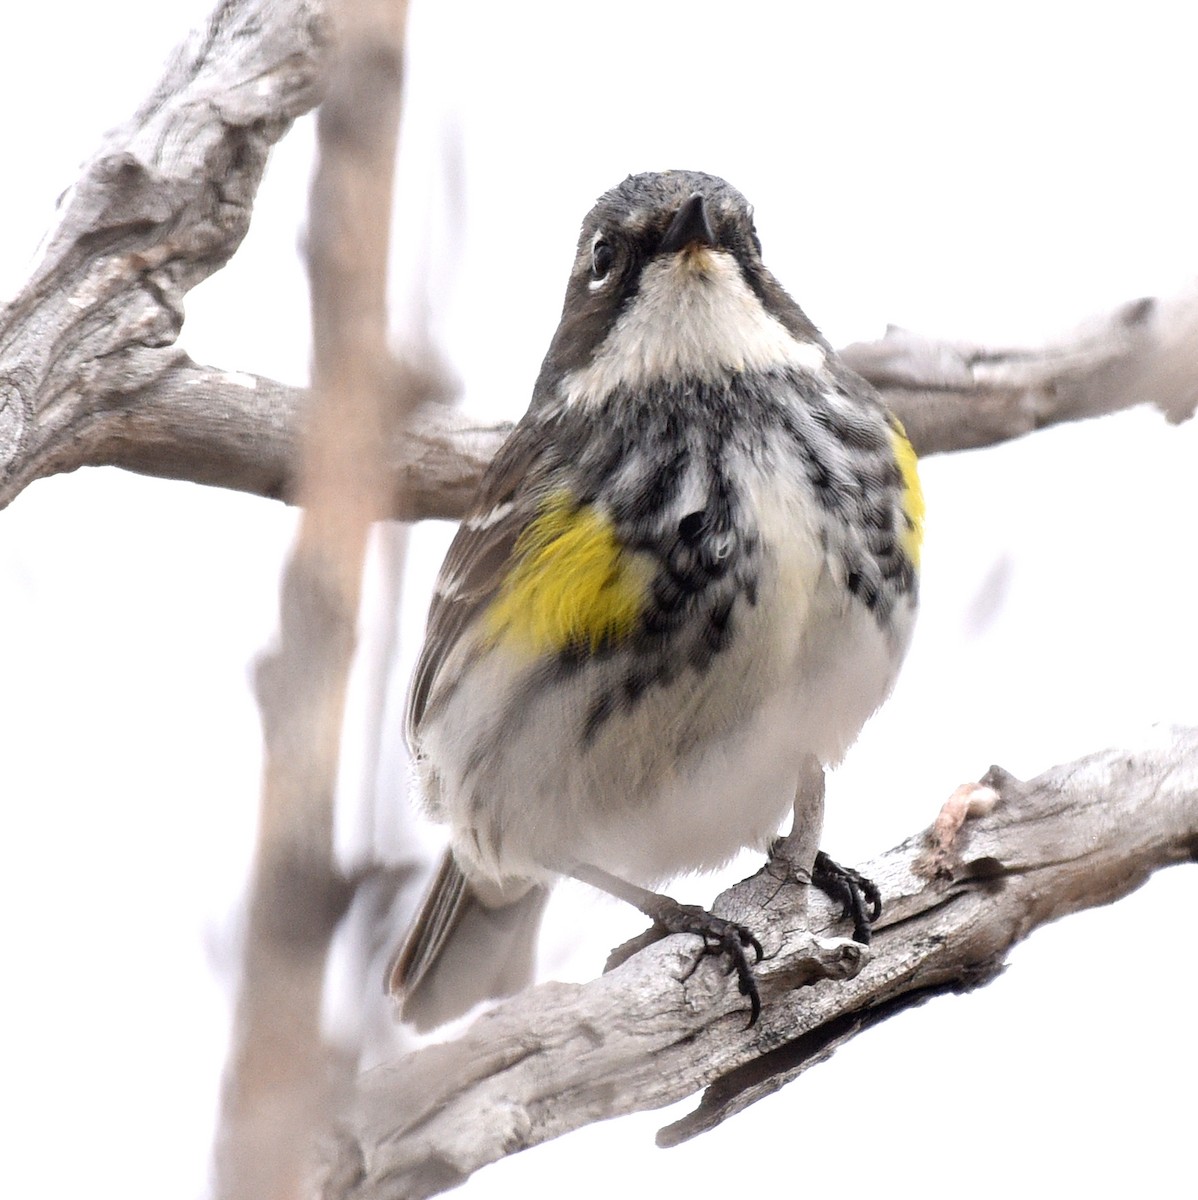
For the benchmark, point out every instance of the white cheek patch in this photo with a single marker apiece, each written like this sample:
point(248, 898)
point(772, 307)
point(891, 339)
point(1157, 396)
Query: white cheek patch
point(693, 317)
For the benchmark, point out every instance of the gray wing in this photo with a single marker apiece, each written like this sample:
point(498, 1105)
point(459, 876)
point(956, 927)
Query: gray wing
point(474, 566)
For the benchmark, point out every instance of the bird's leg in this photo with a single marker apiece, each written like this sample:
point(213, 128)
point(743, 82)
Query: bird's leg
point(719, 936)
point(793, 856)
point(804, 863)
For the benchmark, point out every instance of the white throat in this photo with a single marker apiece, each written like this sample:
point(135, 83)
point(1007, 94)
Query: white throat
point(693, 317)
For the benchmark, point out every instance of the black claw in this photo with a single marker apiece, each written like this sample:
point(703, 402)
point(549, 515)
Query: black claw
point(858, 897)
point(746, 981)
point(720, 937)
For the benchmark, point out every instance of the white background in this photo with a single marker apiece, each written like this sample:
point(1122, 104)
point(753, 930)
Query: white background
point(993, 173)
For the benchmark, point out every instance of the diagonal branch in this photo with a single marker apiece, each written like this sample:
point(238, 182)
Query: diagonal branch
point(163, 203)
point(658, 1028)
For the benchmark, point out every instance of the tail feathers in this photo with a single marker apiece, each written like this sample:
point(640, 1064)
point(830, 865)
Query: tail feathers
point(462, 950)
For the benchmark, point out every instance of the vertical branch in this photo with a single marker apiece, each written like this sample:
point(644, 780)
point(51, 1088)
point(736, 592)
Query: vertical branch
point(283, 1079)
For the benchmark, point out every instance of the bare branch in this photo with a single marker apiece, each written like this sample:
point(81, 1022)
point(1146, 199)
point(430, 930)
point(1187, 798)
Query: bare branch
point(958, 397)
point(164, 203)
point(658, 1028)
point(175, 419)
point(236, 430)
point(283, 1081)
point(89, 374)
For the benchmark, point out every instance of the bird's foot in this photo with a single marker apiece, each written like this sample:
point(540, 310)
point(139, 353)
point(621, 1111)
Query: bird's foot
point(858, 897)
point(722, 937)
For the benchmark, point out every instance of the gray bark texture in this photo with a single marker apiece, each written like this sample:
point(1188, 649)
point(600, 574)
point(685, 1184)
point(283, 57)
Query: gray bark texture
point(90, 375)
point(1001, 858)
point(86, 348)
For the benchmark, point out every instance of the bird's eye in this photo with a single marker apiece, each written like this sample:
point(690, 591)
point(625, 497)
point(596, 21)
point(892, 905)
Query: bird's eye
point(755, 239)
point(602, 257)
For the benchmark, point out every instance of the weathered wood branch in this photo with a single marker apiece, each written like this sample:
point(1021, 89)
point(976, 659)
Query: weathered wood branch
point(237, 430)
point(90, 376)
point(659, 1028)
point(953, 396)
point(154, 411)
point(164, 202)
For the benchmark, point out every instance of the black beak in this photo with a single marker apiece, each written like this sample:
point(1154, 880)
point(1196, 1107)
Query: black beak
point(689, 227)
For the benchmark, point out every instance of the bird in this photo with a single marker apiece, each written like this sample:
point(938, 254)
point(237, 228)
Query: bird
point(688, 578)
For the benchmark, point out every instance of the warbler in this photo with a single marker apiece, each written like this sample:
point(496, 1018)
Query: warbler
point(689, 578)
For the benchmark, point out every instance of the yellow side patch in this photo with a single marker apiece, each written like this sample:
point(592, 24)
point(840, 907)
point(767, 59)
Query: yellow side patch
point(570, 583)
point(913, 504)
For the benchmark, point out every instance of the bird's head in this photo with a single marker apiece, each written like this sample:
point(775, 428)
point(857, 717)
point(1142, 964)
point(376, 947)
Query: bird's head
point(668, 283)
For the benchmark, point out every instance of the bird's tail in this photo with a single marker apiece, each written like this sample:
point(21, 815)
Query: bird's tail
point(463, 948)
